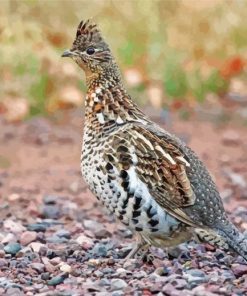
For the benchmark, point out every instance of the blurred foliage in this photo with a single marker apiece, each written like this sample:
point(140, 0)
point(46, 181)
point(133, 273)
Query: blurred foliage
point(194, 48)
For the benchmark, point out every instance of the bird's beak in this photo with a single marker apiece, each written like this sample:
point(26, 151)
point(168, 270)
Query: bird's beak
point(68, 53)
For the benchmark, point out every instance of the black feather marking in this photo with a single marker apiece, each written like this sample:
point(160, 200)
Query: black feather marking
point(109, 166)
point(122, 212)
point(137, 203)
point(136, 214)
point(125, 185)
point(79, 29)
point(124, 174)
point(125, 203)
point(149, 212)
point(153, 222)
point(122, 149)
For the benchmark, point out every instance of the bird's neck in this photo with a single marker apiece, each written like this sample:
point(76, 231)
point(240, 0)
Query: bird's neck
point(106, 77)
point(108, 103)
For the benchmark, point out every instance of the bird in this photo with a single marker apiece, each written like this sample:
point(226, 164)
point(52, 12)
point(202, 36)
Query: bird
point(148, 178)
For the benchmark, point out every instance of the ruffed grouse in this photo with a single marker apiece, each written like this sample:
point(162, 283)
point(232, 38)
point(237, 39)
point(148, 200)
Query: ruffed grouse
point(149, 179)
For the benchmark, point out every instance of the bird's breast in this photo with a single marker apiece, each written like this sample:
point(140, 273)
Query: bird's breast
point(133, 205)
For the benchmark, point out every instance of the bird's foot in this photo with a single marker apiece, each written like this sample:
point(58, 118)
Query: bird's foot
point(141, 251)
point(147, 257)
point(138, 247)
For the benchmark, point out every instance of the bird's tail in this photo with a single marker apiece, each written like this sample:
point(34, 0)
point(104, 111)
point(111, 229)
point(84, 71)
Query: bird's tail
point(226, 237)
point(212, 237)
point(234, 238)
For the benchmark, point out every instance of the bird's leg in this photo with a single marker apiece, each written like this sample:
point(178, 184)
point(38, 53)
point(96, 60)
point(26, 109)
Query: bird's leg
point(137, 247)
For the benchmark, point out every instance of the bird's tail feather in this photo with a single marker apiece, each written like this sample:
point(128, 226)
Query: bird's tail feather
point(235, 239)
point(212, 237)
point(227, 237)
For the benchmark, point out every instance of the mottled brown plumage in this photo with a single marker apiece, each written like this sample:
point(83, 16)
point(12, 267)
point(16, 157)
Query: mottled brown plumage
point(146, 177)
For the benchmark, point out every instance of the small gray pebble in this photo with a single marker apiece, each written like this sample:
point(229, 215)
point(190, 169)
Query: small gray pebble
point(117, 293)
point(3, 263)
point(63, 233)
point(118, 284)
point(45, 276)
point(140, 274)
point(14, 292)
point(196, 273)
point(107, 270)
point(13, 264)
point(92, 225)
point(195, 281)
point(51, 212)
point(98, 273)
point(99, 250)
point(38, 227)
point(179, 284)
point(228, 275)
point(195, 277)
point(56, 240)
point(50, 199)
point(104, 282)
point(38, 266)
point(57, 279)
point(102, 233)
point(162, 271)
point(12, 248)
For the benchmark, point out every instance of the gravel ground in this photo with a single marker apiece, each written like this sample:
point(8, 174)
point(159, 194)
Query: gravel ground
point(55, 239)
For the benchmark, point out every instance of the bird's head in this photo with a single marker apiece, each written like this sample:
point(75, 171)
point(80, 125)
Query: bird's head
point(89, 50)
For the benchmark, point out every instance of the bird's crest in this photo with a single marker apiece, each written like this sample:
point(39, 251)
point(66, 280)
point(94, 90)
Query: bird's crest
point(88, 31)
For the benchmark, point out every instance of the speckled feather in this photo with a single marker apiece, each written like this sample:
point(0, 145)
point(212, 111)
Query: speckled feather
point(149, 179)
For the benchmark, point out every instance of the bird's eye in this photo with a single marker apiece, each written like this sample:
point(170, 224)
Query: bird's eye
point(90, 50)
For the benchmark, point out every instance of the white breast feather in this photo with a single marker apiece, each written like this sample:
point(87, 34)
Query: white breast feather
point(101, 118)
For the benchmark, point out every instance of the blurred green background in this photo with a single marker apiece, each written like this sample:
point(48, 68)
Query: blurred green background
point(173, 54)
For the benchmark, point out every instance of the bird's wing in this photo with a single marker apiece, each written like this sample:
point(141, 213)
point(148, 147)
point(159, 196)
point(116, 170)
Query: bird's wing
point(157, 163)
